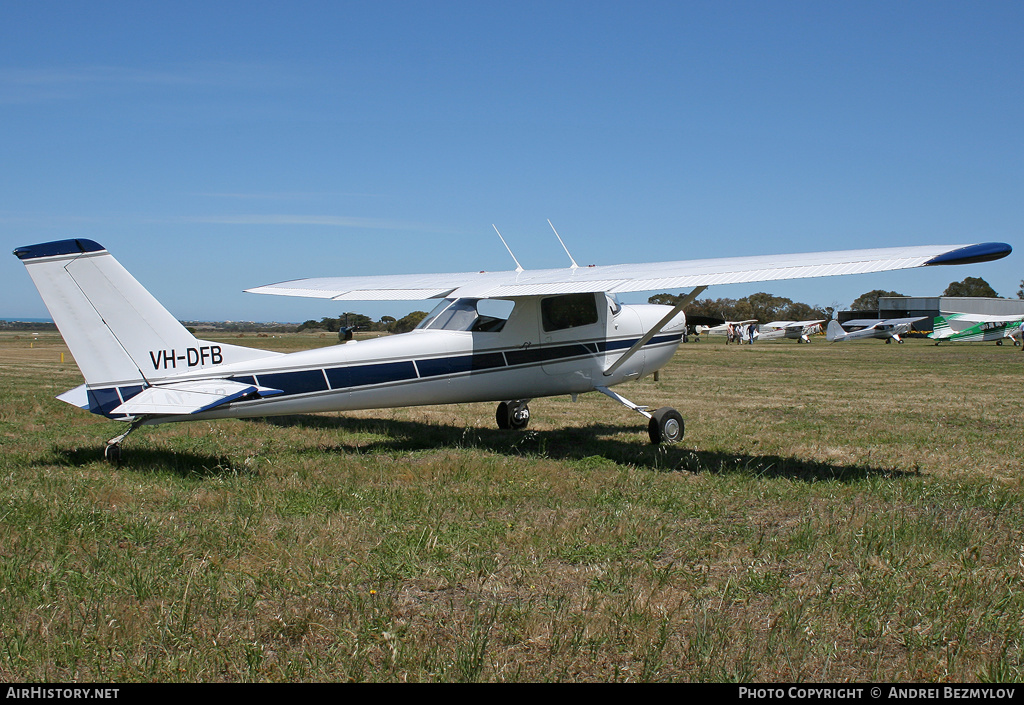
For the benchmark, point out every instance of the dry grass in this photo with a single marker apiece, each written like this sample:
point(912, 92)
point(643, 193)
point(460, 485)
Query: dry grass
point(834, 513)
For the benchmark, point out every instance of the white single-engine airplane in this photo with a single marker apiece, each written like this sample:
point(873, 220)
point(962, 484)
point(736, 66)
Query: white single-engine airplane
point(733, 330)
point(724, 328)
point(507, 336)
point(889, 329)
point(801, 331)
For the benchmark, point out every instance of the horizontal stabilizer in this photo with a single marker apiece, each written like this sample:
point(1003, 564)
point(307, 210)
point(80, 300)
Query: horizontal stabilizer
point(79, 396)
point(182, 398)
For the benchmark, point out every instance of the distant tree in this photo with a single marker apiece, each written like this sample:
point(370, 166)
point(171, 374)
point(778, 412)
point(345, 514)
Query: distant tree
point(327, 324)
point(971, 286)
point(1020, 291)
point(354, 320)
point(762, 306)
point(407, 323)
point(869, 301)
point(672, 299)
point(802, 312)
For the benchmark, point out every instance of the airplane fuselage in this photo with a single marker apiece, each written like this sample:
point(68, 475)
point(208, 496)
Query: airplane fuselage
point(439, 364)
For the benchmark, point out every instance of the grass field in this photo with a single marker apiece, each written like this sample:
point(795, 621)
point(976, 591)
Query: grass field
point(835, 512)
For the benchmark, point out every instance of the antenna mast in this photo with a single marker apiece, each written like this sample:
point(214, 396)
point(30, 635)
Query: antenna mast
point(574, 265)
point(519, 267)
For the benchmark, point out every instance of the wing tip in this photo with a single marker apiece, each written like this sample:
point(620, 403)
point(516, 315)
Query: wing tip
point(74, 246)
point(982, 252)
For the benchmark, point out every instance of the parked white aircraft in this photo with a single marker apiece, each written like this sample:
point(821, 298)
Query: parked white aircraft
point(889, 329)
point(734, 330)
point(976, 327)
point(724, 328)
point(801, 331)
point(507, 337)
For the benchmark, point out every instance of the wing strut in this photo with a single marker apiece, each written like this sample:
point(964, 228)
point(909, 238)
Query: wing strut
point(685, 301)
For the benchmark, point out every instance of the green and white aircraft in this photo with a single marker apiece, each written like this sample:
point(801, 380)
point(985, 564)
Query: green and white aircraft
point(976, 327)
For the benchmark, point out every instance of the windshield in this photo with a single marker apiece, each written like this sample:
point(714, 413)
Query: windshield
point(474, 315)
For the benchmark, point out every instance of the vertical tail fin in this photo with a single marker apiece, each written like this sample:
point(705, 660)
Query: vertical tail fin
point(118, 333)
point(940, 329)
point(834, 331)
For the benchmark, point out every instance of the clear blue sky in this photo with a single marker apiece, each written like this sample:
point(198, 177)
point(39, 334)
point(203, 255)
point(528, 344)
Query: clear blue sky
point(215, 146)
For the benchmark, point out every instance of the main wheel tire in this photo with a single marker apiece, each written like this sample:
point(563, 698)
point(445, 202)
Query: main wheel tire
point(666, 426)
point(512, 415)
point(502, 417)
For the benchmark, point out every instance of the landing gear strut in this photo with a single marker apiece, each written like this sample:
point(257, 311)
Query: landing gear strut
point(112, 451)
point(513, 415)
point(663, 426)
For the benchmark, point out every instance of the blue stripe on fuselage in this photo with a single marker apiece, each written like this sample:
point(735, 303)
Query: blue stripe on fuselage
point(318, 380)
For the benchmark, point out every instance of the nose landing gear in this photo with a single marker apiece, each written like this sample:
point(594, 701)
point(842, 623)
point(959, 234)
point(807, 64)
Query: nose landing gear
point(663, 426)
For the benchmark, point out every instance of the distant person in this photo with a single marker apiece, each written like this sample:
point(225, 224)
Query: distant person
point(750, 332)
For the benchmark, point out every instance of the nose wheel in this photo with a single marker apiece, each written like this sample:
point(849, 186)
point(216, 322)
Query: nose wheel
point(512, 415)
point(666, 426)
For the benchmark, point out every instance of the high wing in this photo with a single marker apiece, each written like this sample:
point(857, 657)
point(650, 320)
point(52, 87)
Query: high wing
point(619, 278)
point(963, 321)
point(792, 324)
point(861, 323)
point(880, 322)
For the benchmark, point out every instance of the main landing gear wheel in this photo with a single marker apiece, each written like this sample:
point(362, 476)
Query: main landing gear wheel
point(512, 415)
point(666, 426)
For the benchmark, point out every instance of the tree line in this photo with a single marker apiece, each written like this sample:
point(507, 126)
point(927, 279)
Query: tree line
point(360, 322)
point(762, 306)
point(766, 307)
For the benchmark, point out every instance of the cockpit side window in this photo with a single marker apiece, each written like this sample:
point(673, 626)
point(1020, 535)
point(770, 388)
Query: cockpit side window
point(473, 315)
point(493, 313)
point(568, 311)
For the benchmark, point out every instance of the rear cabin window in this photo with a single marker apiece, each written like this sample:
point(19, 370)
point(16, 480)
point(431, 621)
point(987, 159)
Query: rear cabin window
point(569, 311)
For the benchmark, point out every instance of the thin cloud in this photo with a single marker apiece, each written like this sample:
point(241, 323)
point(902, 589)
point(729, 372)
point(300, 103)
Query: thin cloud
point(284, 196)
point(338, 221)
point(43, 84)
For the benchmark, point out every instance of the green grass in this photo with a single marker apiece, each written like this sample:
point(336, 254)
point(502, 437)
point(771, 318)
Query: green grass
point(845, 512)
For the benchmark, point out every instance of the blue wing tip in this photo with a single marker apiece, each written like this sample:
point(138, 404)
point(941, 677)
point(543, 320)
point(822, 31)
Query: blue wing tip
point(58, 247)
point(984, 252)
